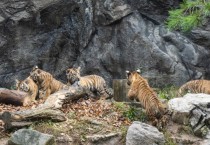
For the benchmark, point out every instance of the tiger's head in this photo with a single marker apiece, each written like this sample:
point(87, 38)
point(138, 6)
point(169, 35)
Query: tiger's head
point(35, 74)
point(132, 76)
point(23, 85)
point(73, 75)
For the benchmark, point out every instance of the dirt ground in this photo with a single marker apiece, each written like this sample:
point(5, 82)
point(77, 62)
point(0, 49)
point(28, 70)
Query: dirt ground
point(84, 118)
point(90, 117)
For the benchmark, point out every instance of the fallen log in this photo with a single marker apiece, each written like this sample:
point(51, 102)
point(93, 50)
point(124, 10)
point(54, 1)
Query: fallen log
point(14, 97)
point(48, 110)
point(25, 118)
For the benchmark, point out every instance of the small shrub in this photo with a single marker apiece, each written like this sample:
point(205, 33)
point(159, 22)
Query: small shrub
point(185, 130)
point(135, 114)
point(120, 106)
point(168, 93)
point(168, 139)
point(131, 112)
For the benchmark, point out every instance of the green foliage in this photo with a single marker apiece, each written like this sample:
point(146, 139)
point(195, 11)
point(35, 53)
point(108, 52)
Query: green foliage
point(13, 87)
point(135, 114)
point(120, 106)
point(131, 112)
point(185, 129)
point(191, 14)
point(168, 93)
point(46, 123)
point(46, 126)
point(168, 139)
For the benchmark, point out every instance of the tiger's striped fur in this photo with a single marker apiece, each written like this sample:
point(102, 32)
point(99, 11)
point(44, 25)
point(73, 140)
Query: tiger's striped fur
point(141, 91)
point(28, 86)
point(94, 83)
point(46, 83)
point(195, 86)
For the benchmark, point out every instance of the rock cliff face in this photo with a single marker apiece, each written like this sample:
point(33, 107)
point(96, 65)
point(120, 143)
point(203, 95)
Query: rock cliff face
point(104, 37)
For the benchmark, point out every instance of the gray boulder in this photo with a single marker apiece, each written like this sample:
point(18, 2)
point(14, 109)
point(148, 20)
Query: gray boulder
point(156, 11)
point(30, 137)
point(105, 139)
point(143, 134)
point(193, 110)
point(104, 37)
point(109, 11)
point(205, 142)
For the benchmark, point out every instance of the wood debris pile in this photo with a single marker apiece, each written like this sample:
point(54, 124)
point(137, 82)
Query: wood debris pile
point(98, 110)
point(101, 110)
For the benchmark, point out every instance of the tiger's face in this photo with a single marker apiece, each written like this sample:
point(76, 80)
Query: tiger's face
point(73, 75)
point(35, 74)
point(23, 85)
point(132, 76)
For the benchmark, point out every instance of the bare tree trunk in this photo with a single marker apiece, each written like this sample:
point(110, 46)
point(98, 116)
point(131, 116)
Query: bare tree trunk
point(120, 90)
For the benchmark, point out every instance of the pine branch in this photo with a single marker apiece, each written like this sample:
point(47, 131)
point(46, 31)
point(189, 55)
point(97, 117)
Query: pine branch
point(191, 14)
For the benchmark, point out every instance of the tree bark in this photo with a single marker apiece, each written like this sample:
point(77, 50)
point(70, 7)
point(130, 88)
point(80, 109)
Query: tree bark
point(14, 97)
point(120, 90)
point(48, 110)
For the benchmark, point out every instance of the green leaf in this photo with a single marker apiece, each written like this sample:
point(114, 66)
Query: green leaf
point(190, 15)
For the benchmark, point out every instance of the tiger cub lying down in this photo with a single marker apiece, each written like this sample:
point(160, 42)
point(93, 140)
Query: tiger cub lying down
point(141, 91)
point(195, 86)
point(92, 83)
point(30, 87)
point(46, 83)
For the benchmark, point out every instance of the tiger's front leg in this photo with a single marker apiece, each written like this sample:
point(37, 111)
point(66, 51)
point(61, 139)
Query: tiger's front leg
point(42, 94)
point(33, 97)
point(102, 93)
point(47, 93)
point(131, 94)
point(90, 94)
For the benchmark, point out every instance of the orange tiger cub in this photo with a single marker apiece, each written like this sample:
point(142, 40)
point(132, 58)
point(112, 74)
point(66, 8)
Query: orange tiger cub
point(141, 91)
point(92, 83)
point(30, 87)
point(195, 86)
point(46, 83)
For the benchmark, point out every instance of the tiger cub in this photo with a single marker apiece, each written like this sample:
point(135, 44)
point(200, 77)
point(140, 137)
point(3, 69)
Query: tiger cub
point(46, 83)
point(195, 86)
point(30, 87)
point(92, 83)
point(141, 91)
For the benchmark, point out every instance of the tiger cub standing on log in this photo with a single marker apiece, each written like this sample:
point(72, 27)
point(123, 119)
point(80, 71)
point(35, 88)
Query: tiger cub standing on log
point(141, 91)
point(30, 87)
point(195, 86)
point(46, 83)
point(91, 83)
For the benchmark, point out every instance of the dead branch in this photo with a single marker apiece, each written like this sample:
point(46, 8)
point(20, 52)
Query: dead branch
point(48, 110)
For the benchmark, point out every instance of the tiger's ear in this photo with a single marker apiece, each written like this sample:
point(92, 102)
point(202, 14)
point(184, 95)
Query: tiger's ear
point(17, 81)
point(127, 73)
point(34, 68)
point(138, 71)
point(79, 68)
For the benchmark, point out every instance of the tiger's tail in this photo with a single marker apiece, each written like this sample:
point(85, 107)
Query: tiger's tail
point(109, 91)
